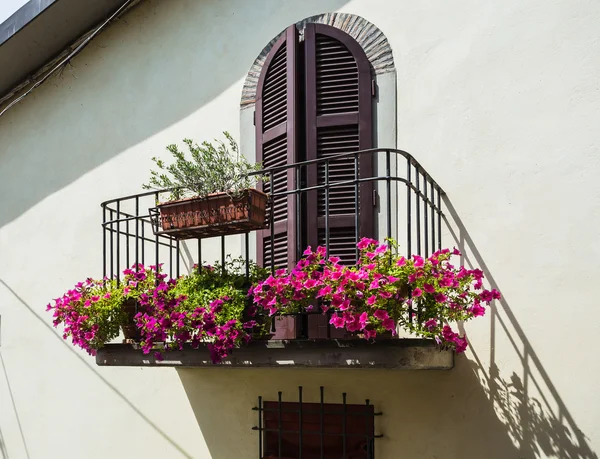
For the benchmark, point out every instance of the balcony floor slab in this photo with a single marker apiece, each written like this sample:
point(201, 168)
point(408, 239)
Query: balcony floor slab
point(398, 354)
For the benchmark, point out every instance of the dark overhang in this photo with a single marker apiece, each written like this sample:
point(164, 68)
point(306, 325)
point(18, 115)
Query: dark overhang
point(39, 31)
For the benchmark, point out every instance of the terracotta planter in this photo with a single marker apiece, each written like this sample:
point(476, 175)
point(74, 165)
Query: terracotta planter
point(214, 215)
point(130, 331)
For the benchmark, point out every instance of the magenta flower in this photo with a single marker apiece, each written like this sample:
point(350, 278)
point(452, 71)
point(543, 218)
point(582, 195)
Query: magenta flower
point(371, 300)
point(417, 292)
point(401, 261)
point(440, 297)
point(381, 314)
point(381, 249)
point(431, 324)
point(419, 262)
point(337, 321)
point(390, 325)
point(477, 310)
point(428, 288)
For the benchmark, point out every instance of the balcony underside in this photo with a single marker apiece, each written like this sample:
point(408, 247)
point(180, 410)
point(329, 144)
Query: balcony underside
point(398, 354)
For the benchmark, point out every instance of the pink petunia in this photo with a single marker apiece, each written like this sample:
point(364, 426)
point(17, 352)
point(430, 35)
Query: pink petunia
point(381, 314)
point(419, 261)
point(477, 310)
point(390, 325)
point(428, 288)
point(431, 324)
point(417, 292)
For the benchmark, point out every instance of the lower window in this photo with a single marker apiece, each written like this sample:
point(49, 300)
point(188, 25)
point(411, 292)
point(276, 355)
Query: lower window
point(298, 430)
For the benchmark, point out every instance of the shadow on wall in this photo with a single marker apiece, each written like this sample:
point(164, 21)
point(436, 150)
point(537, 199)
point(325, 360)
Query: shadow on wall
point(153, 68)
point(433, 414)
point(540, 426)
point(79, 357)
point(470, 412)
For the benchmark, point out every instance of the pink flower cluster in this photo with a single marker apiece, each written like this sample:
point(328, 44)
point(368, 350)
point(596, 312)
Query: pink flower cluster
point(165, 317)
point(90, 312)
point(381, 292)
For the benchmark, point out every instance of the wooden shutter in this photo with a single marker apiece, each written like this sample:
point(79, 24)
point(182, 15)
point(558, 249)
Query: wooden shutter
point(338, 120)
point(276, 145)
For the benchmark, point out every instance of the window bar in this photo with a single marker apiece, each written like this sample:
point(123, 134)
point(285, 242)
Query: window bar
point(156, 244)
point(199, 265)
point(127, 244)
point(425, 219)
point(300, 421)
point(298, 186)
point(247, 243)
point(271, 219)
point(322, 418)
point(388, 189)
point(408, 207)
point(260, 430)
point(279, 426)
point(118, 268)
point(327, 207)
point(223, 255)
point(369, 434)
point(143, 244)
point(104, 242)
point(439, 193)
point(171, 257)
point(418, 202)
point(177, 253)
point(356, 222)
point(137, 231)
point(432, 217)
point(112, 253)
point(344, 420)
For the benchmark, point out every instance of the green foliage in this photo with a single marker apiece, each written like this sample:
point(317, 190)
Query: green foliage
point(209, 168)
point(228, 280)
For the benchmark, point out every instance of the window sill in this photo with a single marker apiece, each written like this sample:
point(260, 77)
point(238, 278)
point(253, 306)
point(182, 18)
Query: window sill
point(399, 354)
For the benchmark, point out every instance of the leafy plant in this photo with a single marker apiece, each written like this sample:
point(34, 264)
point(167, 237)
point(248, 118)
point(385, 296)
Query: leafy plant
point(209, 305)
point(209, 168)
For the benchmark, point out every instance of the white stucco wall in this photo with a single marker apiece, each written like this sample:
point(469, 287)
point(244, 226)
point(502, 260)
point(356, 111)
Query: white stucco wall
point(500, 103)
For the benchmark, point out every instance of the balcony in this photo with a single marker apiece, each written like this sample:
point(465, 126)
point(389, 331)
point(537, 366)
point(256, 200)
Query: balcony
point(335, 203)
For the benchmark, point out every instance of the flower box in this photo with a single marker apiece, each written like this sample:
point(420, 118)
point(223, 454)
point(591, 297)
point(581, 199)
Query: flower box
point(217, 214)
point(130, 332)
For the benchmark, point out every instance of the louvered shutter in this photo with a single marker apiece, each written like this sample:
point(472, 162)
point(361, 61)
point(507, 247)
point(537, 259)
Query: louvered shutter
point(276, 145)
point(338, 120)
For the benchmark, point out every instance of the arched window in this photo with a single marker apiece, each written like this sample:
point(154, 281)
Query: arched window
point(314, 100)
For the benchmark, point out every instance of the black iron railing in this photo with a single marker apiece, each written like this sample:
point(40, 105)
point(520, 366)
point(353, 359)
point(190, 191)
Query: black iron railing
point(408, 208)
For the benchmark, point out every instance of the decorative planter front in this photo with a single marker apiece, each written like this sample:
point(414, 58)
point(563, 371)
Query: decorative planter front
point(217, 214)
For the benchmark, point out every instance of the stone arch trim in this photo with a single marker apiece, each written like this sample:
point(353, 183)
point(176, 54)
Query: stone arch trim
point(368, 36)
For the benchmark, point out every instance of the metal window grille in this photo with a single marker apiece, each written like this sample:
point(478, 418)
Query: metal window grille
point(300, 430)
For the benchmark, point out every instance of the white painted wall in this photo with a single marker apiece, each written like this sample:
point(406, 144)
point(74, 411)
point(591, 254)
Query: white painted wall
point(499, 101)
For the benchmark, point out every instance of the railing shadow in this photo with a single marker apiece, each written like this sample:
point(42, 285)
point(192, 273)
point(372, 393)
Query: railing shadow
point(541, 426)
point(116, 391)
point(12, 399)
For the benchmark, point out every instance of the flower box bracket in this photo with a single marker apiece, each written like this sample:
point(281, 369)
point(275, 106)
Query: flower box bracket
point(219, 214)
